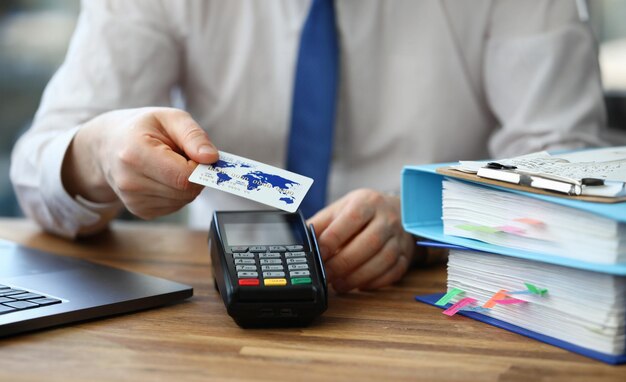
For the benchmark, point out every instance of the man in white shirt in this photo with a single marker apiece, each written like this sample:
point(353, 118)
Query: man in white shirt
point(420, 81)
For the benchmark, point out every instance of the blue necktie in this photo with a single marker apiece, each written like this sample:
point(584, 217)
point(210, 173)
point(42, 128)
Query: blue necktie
point(314, 98)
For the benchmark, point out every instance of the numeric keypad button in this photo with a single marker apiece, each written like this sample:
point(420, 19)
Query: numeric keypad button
point(243, 255)
point(296, 267)
point(247, 275)
point(295, 254)
point(269, 255)
point(238, 249)
point(299, 273)
point(270, 261)
point(297, 260)
point(244, 261)
point(246, 267)
point(273, 274)
point(271, 267)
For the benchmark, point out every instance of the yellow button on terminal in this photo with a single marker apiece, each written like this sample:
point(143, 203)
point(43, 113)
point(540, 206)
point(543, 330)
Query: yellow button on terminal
point(275, 282)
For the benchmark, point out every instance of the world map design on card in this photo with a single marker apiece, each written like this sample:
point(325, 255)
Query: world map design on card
point(254, 180)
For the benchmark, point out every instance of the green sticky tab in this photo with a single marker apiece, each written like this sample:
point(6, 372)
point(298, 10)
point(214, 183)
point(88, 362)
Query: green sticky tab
point(448, 296)
point(534, 290)
point(301, 280)
point(477, 228)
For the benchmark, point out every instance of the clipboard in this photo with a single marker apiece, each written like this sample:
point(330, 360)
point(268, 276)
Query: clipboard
point(452, 173)
point(422, 211)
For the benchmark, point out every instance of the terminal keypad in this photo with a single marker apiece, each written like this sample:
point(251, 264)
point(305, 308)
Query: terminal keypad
point(271, 266)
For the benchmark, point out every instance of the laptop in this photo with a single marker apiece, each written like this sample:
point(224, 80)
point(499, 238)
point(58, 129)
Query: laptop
point(40, 290)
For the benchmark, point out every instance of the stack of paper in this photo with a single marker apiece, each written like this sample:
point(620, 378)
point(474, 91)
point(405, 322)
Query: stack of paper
point(581, 307)
point(544, 264)
point(520, 222)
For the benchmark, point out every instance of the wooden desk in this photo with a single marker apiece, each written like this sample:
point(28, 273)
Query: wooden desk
point(380, 336)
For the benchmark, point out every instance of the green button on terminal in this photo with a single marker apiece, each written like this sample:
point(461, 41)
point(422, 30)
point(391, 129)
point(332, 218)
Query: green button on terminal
point(301, 280)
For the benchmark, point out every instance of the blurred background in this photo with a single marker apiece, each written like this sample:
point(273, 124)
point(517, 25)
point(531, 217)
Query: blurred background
point(33, 38)
point(34, 35)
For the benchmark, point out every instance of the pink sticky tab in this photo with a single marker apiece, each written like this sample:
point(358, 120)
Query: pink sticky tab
point(451, 311)
point(530, 221)
point(511, 229)
point(501, 294)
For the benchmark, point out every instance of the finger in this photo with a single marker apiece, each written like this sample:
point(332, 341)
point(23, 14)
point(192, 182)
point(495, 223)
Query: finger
point(151, 202)
point(391, 276)
point(320, 222)
point(151, 207)
point(159, 191)
point(373, 268)
point(152, 158)
point(170, 170)
point(158, 178)
point(322, 219)
point(154, 213)
point(346, 225)
point(187, 135)
point(360, 249)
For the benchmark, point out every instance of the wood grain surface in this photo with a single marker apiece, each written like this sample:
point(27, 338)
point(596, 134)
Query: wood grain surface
point(378, 336)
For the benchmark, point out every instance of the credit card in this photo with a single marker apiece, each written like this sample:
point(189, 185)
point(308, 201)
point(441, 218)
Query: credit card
point(254, 180)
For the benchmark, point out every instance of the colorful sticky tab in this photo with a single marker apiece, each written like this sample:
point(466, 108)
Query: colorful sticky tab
point(451, 311)
point(448, 296)
point(534, 290)
point(521, 292)
point(478, 309)
point(501, 294)
point(477, 228)
point(530, 221)
point(512, 230)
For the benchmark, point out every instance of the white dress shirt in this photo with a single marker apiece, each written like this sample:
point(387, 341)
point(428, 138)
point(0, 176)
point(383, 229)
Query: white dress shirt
point(420, 81)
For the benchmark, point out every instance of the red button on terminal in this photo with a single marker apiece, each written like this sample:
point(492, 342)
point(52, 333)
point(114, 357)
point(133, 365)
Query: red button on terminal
point(249, 282)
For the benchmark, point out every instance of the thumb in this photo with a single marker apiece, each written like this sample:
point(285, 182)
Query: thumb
point(187, 135)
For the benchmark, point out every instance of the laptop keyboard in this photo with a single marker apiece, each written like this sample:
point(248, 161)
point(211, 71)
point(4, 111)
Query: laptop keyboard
point(14, 300)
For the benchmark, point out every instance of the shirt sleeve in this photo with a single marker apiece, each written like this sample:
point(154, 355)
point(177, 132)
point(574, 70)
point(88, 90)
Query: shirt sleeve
point(542, 78)
point(123, 54)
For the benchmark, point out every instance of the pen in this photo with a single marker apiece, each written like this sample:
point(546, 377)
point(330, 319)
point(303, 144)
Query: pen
point(559, 178)
point(553, 183)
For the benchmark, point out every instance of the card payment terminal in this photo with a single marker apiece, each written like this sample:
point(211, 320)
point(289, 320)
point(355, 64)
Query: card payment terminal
point(267, 268)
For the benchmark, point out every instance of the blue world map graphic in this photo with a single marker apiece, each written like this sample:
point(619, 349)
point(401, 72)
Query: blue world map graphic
point(255, 179)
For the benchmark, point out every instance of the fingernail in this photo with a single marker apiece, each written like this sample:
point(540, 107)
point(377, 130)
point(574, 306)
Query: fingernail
point(207, 149)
